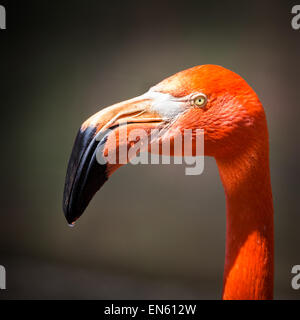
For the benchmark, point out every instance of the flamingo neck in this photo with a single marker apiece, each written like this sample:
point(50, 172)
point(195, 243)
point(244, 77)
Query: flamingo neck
point(248, 272)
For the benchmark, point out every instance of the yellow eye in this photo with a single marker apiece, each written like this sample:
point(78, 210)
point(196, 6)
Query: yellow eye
point(200, 100)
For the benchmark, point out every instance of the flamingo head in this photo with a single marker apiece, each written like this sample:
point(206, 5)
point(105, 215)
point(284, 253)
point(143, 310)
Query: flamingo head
point(209, 97)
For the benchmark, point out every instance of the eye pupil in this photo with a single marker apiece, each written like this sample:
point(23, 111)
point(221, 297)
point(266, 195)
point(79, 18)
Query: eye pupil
point(200, 101)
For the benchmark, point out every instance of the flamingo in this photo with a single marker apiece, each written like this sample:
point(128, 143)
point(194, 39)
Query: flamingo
point(225, 107)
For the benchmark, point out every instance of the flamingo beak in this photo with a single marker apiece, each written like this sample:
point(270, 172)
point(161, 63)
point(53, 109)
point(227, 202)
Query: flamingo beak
point(85, 175)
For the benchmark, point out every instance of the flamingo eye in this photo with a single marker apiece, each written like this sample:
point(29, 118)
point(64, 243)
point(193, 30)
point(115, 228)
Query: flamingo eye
point(200, 100)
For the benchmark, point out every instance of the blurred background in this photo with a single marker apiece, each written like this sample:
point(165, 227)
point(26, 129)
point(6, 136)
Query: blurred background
point(164, 236)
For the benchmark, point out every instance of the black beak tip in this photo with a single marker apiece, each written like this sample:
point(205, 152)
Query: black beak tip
point(69, 210)
point(85, 176)
point(69, 219)
point(75, 207)
point(70, 215)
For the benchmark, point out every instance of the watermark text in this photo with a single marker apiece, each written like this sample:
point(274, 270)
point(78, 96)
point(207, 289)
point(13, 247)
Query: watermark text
point(2, 18)
point(2, 278)
point(139, 146)
point(296, 279)
point(296, 19)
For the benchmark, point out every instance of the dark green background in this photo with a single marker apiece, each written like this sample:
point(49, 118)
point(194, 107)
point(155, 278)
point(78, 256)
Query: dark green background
point(151, 232)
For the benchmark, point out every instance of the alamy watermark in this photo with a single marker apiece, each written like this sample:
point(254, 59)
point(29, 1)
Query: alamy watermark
point(2, 17)
point(296, 279)
point(2, 278)
point(139, 146)
point(296, 19)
